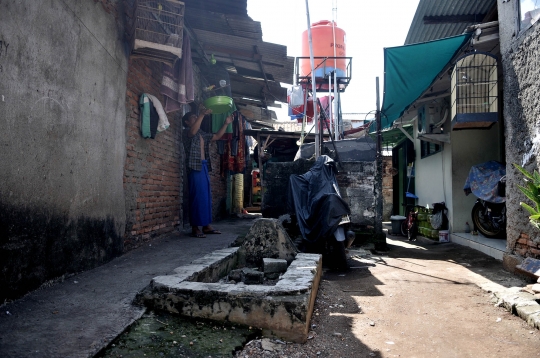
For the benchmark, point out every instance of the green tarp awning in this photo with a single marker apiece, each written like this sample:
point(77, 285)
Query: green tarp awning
point(409, 70)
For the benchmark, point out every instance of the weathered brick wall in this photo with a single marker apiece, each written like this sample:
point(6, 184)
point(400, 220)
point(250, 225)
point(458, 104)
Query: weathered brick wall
point(356, 182)
point(388, 188)
point(521, 70)
point(153, 169)
point(527, 246)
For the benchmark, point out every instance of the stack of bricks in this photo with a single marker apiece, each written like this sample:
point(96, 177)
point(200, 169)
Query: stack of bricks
point(527, 247)
point(153, 168)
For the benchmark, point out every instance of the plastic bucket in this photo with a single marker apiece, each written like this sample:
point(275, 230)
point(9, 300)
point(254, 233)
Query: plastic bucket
point(396, 224)
point(443, 236)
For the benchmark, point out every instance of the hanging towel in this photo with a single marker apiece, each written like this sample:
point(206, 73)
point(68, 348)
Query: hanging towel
point(163, 122)
point(149, 117)
point(144, 110)
point(177, 82)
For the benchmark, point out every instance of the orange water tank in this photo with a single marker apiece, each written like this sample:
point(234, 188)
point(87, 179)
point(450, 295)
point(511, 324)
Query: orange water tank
point(322, 38)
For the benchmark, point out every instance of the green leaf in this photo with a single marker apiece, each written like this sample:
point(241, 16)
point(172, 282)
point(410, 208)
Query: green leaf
point(534, 217)
point(527, 207)
point(523, 171)
point(528, 193)
point(536, 178)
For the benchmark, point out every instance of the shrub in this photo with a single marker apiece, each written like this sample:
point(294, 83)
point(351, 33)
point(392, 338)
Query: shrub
point(532, 192)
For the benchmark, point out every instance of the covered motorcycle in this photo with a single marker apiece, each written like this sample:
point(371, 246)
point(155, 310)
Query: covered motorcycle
point(315, 201)
point(487, 182)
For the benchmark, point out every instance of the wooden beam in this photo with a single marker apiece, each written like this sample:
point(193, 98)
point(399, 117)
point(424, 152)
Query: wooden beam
point(231, 51)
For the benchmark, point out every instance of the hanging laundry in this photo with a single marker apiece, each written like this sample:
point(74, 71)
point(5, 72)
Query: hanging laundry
point(177, 82)
point(149, 117)
point(233, 160)
point(163, 123)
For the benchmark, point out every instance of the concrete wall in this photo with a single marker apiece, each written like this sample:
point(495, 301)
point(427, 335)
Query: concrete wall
point(470, 147)
point(433, 177)
point(63, 67)
point(388, 188)
point(521, 68)
point(441, 176)
point(356, 182)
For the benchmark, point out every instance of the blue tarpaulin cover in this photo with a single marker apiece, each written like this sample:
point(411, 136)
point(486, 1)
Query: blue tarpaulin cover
point(483, 181)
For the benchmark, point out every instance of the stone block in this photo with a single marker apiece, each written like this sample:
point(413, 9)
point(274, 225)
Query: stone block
point(274, 266)
point(525, 310)
point(533, 320)
point(266, 239)
point(235, 275)
point(510, 262)
point(252, 277)
point(513, 299)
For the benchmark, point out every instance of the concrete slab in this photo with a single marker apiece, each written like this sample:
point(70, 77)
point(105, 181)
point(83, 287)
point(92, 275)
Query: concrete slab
point(283, 310)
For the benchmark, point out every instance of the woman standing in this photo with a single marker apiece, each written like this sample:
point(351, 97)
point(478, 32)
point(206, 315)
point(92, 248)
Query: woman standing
point(197, 148)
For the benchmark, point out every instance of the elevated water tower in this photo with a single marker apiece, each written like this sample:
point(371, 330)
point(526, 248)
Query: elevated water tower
point(329, 53)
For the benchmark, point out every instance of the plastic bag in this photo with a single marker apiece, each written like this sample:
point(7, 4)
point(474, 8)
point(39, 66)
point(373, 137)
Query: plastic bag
point(296, 96)
point(436, 220)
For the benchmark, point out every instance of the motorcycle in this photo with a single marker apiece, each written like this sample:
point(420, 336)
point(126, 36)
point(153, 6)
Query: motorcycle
point(487, 181)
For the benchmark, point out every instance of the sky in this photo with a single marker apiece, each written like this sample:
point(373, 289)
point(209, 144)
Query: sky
point(370, 26)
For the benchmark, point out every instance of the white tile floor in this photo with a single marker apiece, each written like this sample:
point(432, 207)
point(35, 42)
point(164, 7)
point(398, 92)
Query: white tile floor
point(492, 247)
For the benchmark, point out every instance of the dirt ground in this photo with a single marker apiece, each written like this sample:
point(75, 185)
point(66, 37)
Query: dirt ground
point(416, 300)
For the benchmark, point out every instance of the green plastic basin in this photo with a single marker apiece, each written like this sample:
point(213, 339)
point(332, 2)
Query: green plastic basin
point(219, 104)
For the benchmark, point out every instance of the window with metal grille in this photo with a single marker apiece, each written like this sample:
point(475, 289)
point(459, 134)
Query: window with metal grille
point(428, 148)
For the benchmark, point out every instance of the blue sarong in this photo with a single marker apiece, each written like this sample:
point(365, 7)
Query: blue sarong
point(200, 196)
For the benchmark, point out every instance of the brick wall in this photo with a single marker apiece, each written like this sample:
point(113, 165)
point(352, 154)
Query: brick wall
point(153, 169)
point(527, 246)
point(387, 188)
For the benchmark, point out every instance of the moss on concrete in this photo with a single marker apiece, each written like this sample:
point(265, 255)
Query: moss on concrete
point(161, 334)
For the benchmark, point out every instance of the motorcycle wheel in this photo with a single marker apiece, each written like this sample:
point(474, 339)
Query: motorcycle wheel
point(404, 228)
point(483, 223)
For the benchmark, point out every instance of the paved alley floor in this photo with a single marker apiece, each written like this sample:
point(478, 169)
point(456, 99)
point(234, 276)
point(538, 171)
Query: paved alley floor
point(82, 314)
point(418, 300)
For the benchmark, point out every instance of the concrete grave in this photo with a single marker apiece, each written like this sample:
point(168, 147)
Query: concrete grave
point(203, 289)
point(266, 238)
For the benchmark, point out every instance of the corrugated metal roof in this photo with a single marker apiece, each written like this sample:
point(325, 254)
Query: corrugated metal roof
point(223, 28)
point(436, 19)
